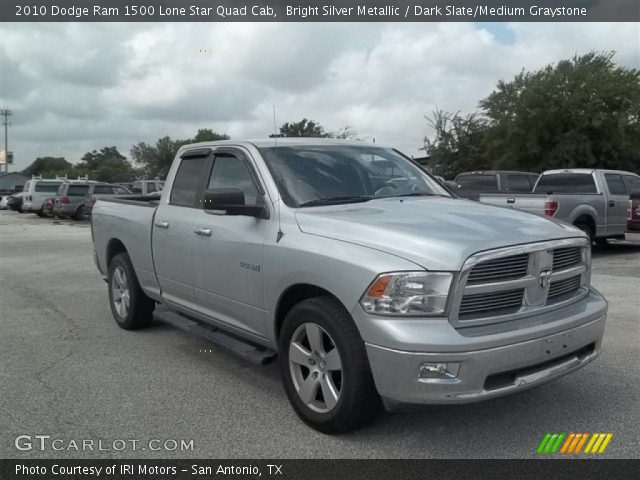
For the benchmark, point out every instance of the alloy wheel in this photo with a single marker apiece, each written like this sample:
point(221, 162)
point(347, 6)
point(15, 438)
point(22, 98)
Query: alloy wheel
point(316, 367)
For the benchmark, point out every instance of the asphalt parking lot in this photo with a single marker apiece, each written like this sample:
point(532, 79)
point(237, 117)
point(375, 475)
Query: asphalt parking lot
point(68, 371)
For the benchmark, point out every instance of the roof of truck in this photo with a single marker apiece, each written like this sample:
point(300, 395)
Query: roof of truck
point(284, 142)
point(584, 170)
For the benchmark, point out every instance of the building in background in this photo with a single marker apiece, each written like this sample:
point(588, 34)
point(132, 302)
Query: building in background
point(12, 182)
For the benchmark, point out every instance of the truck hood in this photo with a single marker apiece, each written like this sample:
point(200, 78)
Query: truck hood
point(436, 233)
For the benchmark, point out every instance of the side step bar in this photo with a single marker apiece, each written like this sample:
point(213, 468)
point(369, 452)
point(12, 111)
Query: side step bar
point(249, 352)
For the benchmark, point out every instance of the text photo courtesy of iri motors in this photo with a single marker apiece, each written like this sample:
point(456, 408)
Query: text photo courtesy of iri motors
point(323, 240)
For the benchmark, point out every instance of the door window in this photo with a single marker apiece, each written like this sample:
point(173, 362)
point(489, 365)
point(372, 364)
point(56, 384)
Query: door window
point(231, 172)
point(188, 181)
point(615, 184)
point(633, 183)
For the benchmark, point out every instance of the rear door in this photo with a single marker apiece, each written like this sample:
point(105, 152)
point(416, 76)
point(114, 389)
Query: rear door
point(173, 229)
point(227, 253)
point(617, 201)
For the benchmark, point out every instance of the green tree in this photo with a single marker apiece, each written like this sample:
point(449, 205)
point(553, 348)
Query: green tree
point(457, 143)
point(207, 135)
point(155, 160)
point(303, 128)
point(92, 160)
point(106, 165)
point(583, 112)
point(49, 166)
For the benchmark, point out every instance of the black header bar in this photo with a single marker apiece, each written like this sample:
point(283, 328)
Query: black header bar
point(320, 11)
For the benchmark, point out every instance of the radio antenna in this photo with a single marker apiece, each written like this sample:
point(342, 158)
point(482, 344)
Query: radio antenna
point(275, 133)
point(280, 234)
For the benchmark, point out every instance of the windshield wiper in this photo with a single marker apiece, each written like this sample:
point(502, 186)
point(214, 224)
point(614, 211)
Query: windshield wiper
point(418, 194)
point(337, 200)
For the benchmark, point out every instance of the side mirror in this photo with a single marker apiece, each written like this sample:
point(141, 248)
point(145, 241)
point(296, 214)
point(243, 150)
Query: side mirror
point(230, 201)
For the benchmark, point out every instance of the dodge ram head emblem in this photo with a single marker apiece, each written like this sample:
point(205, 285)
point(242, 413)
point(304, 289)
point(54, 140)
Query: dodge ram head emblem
point(544, 278)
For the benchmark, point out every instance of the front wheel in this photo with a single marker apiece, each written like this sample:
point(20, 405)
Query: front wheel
point(324, 367)
point(130, 307)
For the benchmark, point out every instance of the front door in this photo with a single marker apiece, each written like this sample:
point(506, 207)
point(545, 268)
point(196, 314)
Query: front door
point(172, 235)
point(227, 250)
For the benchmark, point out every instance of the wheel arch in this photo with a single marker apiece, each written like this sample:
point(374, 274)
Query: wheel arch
point(295, 294)
point(114, 247)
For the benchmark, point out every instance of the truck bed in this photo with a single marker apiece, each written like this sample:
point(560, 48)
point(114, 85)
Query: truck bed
point(526, 202)
point(129, 219)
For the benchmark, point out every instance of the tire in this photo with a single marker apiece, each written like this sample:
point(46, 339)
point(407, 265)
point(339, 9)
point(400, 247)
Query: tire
point(79, 215)
point(602, 241)
point(131, 308)
point(40, 213)
point(586, 228)
point(351, 398)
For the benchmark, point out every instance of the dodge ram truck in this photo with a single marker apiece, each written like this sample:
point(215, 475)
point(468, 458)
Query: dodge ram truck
point(371, 284)
point(595, 201)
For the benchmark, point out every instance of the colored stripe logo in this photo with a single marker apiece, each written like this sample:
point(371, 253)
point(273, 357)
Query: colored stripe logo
point(574, 443)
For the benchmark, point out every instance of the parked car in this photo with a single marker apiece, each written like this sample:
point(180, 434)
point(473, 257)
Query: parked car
point(48, 207)
point(633, 212)
point(593, 200)
point(70, 199)
point(146, 187)
point(472, 184)
point(370, 288)
point(100, 192)
point(36, 191)
point(15, 202)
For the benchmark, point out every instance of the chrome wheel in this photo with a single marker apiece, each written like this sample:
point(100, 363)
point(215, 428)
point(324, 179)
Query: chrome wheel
point(316, 367)
point(120, 291)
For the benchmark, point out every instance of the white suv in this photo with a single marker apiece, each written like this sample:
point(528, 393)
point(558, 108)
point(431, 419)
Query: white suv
point(36, 191)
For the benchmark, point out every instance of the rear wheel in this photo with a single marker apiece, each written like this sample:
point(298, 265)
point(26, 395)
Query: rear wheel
point(130, 307)
point(586, 228)
point(324, 367)
point(80, 215)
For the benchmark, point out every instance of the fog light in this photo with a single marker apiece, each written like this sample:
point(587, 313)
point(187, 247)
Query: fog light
point(438, 371)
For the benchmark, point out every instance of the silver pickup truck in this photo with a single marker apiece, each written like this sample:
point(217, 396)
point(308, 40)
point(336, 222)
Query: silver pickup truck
point(595, 201)
point(367, 279)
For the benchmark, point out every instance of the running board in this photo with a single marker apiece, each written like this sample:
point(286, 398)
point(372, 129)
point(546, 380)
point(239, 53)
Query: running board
point(249, 352)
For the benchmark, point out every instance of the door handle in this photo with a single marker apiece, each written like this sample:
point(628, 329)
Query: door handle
point(161, 224)
point(612, 203)
point(203, 232)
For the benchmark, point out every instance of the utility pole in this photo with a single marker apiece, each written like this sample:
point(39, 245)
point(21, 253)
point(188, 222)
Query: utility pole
point(6, 113)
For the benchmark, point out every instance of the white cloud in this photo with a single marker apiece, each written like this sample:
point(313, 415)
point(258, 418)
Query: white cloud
point(76, 87)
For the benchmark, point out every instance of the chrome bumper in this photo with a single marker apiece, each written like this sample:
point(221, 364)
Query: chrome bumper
point(485, 373)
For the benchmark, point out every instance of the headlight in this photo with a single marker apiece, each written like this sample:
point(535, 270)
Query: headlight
point(408, 293)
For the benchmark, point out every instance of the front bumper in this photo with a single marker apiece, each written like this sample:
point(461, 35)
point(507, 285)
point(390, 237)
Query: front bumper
point(491, 372)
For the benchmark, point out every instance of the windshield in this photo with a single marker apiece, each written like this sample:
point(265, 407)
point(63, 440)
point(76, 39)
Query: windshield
point(309, 175)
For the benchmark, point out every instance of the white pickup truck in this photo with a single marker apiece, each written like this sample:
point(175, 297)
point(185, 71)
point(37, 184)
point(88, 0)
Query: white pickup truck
point(595, 201)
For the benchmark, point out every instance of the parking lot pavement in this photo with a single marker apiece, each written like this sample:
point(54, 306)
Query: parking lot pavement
point(68, 371)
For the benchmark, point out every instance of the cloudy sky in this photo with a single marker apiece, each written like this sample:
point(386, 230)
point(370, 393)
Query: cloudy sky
point(77, 87)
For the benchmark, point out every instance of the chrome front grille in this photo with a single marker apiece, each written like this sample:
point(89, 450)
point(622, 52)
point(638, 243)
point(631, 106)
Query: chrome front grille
point(473, 306)
point(514, 266)
point(509, 283)
point(563, 288)
point(566, 257)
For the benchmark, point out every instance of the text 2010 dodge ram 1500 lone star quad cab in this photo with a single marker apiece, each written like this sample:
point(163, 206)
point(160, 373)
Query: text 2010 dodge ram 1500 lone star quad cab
point(368, 279)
